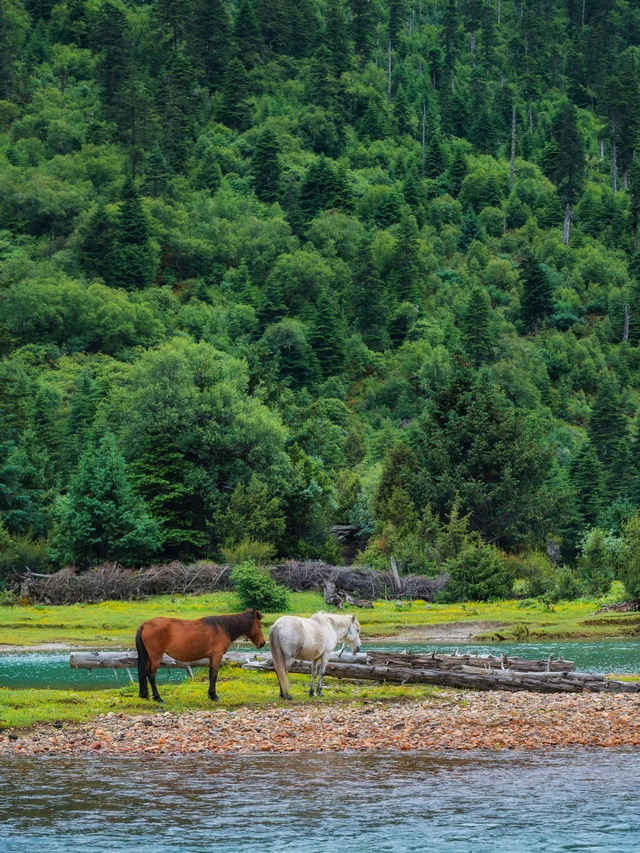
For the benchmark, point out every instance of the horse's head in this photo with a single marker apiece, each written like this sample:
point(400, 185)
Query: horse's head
point(254, 632)
point(352, 637)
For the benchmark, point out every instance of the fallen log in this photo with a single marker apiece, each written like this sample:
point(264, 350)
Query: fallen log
point(565, 682)
point(433, 660)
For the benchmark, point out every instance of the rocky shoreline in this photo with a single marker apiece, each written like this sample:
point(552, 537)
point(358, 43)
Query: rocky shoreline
point(453, 720)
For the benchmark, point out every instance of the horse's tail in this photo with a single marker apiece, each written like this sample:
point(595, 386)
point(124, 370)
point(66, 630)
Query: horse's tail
point(143, 664)
point(277, 656)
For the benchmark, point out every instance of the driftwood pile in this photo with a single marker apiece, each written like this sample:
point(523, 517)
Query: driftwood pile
point(471, 672)
point(111, 581)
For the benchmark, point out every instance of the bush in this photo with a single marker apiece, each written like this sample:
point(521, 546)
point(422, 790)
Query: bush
point(478, 574)
point(248, 550)
point(629, 570)
point(256, 588)
point(19, 554)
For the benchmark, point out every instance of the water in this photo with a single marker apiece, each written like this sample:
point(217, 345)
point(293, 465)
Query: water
point(51, 669)
point(563, 800)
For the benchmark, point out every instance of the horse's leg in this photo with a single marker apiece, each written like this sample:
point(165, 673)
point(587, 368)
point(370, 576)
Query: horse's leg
point(323, 663)
point(314, 665)
point(151, 675)
point(214, 665)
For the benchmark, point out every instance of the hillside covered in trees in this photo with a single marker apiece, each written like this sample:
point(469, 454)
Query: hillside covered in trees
point(269, 266)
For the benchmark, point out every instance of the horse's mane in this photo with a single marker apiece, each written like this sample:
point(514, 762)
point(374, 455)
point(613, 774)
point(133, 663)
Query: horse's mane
point(234, 624)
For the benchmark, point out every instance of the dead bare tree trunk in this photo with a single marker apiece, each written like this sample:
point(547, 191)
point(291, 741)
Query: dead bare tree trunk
point(627, 317)
point(568, 216)
point(513, 148)
point(499, 9)
point(614, 157)
point(388, 71)
point(424, 130)
point(602, 149)
point(472, 45)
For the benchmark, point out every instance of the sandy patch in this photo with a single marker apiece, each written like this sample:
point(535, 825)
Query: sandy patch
point(445, 632)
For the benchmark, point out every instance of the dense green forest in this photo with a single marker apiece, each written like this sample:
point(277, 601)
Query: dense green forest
point(269, 266)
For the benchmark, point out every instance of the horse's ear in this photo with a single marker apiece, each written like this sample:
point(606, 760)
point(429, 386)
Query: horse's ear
point(258, 615)
point(353, 617)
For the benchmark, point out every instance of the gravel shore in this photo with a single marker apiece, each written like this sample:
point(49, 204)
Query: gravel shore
point(452, 721)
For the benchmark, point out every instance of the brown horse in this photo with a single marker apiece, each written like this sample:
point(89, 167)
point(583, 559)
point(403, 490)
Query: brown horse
point(189, 640)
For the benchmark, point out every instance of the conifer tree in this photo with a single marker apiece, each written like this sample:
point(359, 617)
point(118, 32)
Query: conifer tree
point(565, 160)
point(368, 300)
point(405, 257)
point(212, 31)
point(537, 293)
point(471, 230)
point(208, 175)
point(435, 161)
point(101, 518)
point(98, 249)
point(247, 34)
point(476, 323)
point(363, 23)
point(587, 478)
point(265, 166)
point(327, 336)
point(337, 38)
point(609, 436)
point(234, 110)
point(135, 259)
point(176, 108)
point(156, 171)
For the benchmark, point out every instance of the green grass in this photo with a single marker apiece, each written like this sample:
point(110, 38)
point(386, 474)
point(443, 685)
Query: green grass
point(236, 687)
point(113, 623)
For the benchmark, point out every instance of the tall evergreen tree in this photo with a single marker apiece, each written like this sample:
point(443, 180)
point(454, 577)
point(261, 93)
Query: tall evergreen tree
point(565, 160)
point(234, 109)
point(327, 336)
point(609, 436)
point(476, 326)
point(265, 166)
point(537, 293)
point(101, 518)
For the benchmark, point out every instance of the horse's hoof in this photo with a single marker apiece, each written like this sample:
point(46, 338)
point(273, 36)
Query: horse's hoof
point(214, 698)
point(311, 693)
point(288, 698)
point(319, 692)
point(159, 700)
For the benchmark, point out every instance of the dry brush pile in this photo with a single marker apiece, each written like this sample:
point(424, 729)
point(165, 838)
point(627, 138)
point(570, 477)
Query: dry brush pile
point(111, 581)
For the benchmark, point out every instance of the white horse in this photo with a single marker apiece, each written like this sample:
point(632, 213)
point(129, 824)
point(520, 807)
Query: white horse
point(311, 639)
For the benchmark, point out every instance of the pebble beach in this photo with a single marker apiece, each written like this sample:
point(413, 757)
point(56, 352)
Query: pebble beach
point(453, 720)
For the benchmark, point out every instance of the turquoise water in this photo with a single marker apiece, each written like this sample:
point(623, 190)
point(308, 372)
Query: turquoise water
point(51, 669)
point(514, 802)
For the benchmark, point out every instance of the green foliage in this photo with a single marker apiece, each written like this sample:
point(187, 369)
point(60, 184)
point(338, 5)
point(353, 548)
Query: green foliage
point(256, 588)
point(629, 567)
point(478, 574)
point(101, 518)
point(265, 243)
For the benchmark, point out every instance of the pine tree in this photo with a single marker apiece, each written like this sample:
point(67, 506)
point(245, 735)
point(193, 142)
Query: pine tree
point(101, 518)
point(156, 172)
point(234, 110)
point(368, 301)
point(208, 175)
point(158, 474)
point(363, 24)
point(471, 230)
point(98, 250)
point(457, 171)
point(327, 336)
point(265, 166)
point(609, 436)
point(537, 293)
point(476, 326)
point(587, 478)
point(435, 161)
point(135, 259)
point(82, 412)
point(247, 34)
point(336, 38)
point(176, 108)
point(565, 160)
point(405, 257)
point(213, 46)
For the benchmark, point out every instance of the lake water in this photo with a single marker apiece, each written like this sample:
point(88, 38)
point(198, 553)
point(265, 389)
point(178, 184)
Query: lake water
point(583, 800)
point(51, 669)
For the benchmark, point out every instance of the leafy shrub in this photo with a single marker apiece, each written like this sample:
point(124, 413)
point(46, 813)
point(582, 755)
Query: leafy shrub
point(21, 553)
point(248, 550)
point(629, 571)
point(478, 574)
point(256, 588)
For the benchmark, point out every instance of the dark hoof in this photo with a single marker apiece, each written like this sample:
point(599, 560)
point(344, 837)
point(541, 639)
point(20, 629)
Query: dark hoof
point(213, 698)
point(143, 695)
point(311, 693)
point(320, 693)
point(288, 698)
point(159, 700)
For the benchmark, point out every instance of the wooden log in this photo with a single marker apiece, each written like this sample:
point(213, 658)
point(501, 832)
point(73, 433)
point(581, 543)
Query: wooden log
point(129, 659)
point(483, 680)
point(433, 660)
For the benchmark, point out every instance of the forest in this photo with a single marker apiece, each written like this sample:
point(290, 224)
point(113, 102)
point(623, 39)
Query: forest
point(272, 266)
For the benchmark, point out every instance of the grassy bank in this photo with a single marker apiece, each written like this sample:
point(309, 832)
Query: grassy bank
point(113, 623)
point(236, 687)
